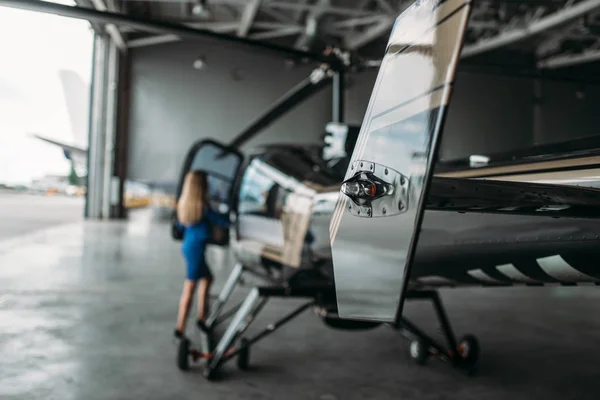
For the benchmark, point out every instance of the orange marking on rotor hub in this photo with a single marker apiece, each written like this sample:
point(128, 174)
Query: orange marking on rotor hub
point(371, 190)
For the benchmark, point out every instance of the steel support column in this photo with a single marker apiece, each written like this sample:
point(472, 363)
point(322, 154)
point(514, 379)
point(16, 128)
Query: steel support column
point(121, 144)
point(102, 191)
point(110, 182)
point(96, 150)
point(339, 95)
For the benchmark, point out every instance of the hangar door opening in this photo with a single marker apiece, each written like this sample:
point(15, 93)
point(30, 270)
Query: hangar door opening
point(45, 79)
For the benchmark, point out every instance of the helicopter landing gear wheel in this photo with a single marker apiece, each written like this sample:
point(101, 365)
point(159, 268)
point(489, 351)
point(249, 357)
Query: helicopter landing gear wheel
point(468, 350)
point(462, 354)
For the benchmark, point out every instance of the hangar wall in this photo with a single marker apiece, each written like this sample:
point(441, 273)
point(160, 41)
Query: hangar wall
point(493, 113)
point(173, 105)
point(582, 103)
point(488, 113)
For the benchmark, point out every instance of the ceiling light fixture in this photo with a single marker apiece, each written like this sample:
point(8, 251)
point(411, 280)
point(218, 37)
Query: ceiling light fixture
point(200, 9)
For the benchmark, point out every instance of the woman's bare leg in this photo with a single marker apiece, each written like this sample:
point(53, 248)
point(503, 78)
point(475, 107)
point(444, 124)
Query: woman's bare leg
point(187, 294)
point(203, 294)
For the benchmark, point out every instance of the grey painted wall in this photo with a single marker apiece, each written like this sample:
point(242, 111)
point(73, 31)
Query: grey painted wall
point(173, 105)
point(570, 110)
point(492, 113)
point(488, 114)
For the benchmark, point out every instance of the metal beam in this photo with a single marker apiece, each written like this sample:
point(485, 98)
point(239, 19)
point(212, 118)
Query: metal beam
point(312, 26)
point(285, 5)
point(299, 13)
point(222, 27)
point(279, 16)
point(330, 10)
point(273, 25)
point(152, 40)
point(354, 22)
point(483, 24)
point(127, 29)
point(163, 27)
point(309, 34)
point(387, 8)
point(552, 43)
point(552, 21)
point(98, 28)
point(277, 33)
point(231, 10)
point(111, 29)
point(116, 37)
point(569, 60)
point(356, 41)
point(248, 16)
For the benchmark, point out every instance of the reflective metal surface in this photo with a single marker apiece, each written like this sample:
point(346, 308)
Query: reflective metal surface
point(221, 164)
point(512, 239)
point(512, 197)
point(403, 118)
point(472, 249)
point(277, 194)
point(376, 190)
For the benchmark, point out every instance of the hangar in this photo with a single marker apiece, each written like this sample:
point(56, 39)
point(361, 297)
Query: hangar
point(167, 74)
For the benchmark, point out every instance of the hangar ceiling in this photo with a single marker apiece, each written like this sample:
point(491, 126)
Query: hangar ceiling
point(530, 36)
point(537, 34)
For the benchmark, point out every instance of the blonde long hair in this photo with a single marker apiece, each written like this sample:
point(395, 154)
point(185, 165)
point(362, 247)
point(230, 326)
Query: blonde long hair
point(194, 198)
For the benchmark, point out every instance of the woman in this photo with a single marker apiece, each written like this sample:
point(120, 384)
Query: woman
point(195, 216)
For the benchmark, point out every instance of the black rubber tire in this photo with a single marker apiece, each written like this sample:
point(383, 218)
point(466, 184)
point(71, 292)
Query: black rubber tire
point(419, 351)
point(183, 356)
point(243, 357)
point(470, 351)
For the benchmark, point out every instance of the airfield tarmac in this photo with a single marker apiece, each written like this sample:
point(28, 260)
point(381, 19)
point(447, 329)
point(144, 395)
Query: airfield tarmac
point(23, 213)
point(87, 311)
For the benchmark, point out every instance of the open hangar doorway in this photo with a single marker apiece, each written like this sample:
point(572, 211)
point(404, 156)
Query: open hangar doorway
point(44, 102)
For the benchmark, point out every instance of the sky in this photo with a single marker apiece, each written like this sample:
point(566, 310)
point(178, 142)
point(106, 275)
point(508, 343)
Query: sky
point(34, 48)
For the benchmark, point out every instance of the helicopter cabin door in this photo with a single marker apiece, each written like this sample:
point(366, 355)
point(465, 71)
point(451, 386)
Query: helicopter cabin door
point(375, 225)
point(221, 164)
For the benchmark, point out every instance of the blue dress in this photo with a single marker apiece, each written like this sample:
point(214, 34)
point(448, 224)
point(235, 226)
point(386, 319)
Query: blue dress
point(194, 243)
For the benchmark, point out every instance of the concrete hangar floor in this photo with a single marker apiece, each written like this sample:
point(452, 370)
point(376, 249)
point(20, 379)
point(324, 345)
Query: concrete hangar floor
point(87, 311)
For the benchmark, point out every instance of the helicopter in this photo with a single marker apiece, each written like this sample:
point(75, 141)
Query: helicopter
point(401, 223)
